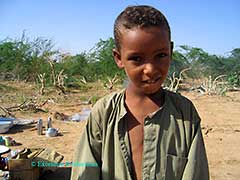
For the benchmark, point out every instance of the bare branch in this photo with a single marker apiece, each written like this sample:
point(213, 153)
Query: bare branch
point(176, 81)
point(213, 87)
point(112, 82)
point(53, 72)
point(41, 78)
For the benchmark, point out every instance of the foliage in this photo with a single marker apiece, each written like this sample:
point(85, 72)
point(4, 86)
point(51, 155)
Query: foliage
point(25, 59)
point(195, 59)
point(234, 79)
point(179, 62)
point(102, 61)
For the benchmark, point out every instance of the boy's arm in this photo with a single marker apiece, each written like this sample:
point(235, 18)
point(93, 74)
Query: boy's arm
point(197, 164)
point(87, 158)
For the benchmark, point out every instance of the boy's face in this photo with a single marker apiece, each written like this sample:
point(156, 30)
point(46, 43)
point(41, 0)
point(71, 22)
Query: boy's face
point(145, 55)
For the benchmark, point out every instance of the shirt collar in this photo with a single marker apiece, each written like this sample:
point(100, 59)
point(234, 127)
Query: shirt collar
point(122, 107)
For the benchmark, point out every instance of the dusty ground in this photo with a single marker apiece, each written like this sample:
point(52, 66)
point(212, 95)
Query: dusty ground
point(220, 123)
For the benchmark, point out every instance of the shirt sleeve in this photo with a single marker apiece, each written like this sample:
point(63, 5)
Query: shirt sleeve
point(197, 164)
point(87, 157)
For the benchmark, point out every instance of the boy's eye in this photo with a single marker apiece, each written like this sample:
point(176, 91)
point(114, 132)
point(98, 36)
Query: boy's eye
point(161, 55)
point(135, 58)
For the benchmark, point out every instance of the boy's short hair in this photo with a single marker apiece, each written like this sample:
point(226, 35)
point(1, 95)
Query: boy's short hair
point(139, 16)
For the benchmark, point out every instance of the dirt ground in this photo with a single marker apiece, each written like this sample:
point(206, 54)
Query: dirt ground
point(220, 126)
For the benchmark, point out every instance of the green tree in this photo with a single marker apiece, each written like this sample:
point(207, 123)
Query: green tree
point(102, 61)
point(25, 59)
point(178, 63)
point(196, 58)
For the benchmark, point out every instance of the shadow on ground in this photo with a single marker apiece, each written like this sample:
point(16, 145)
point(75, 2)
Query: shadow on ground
point(62, 173)
point(20, 128)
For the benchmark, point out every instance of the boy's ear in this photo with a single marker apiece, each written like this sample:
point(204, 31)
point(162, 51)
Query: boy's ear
point(172, 44)
point(117, 58)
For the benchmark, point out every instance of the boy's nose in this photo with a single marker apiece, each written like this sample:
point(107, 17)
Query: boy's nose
point(149, 69)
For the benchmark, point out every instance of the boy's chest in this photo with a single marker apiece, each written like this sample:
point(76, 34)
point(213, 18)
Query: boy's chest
point(135, 133)
point(135, 125)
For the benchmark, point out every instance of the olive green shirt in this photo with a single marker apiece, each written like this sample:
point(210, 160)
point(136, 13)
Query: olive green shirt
point(173, 146)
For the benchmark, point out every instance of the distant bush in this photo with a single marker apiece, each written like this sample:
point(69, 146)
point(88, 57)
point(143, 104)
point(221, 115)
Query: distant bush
point(24, 59)
point(234, 79)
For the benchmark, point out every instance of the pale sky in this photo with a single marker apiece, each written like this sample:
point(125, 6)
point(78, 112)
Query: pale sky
point(76, 26)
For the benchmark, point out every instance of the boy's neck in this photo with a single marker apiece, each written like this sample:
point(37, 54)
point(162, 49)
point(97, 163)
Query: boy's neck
point(141, 97)
point(140, 105)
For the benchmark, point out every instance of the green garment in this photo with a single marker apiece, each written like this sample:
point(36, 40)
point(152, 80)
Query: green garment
point(173, 146)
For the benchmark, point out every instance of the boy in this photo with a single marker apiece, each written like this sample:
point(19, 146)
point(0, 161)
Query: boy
point(143, 131)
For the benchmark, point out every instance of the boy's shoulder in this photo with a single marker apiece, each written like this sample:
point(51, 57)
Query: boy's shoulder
point(110, 98)
point(109, 103)
point(116, 99)
point(177, 98)
point(181, 105)
point(108, 108)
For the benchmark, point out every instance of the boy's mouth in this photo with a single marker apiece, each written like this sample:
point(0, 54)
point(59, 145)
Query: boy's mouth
point(152, 81)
